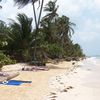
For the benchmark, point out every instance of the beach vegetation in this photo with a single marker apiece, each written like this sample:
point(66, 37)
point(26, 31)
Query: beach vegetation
point(5, 60)
point(51, 37)
point(20, 37)
point(22, 3)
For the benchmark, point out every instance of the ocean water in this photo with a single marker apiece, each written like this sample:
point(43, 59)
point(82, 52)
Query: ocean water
point(92, 65)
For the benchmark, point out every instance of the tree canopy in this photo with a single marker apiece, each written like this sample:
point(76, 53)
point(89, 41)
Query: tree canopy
point(51, 38)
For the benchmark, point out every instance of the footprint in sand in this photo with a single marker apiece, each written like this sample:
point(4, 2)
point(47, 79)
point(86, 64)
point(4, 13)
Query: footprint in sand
point(52, 93)
point(66, 89)
point(52, 96)
point(70, 87)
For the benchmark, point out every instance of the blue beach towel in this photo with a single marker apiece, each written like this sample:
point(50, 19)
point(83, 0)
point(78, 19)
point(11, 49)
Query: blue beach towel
point(15, 82)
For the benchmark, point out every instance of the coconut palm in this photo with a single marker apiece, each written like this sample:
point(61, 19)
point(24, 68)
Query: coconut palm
point(23, 3)
point(65, 29)
point(3, 30)
point(51, 8)
point(2, 26)
point(48, 21)
point(20, 37)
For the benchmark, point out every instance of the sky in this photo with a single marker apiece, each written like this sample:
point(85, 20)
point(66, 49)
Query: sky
point(84, 13)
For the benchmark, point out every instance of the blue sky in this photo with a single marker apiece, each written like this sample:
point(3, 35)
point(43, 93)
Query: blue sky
point(84, 13)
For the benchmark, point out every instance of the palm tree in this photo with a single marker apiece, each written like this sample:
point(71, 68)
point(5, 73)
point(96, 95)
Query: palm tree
point(51, 8)
point(65, 29)
point(20, 37)
point(2, 26)
point(3, 29)
point(23, 3)
point(48, 21)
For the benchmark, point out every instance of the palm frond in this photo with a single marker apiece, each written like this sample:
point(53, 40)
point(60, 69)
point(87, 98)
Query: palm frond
point(0, 7)
point(22, 3)
point(21, 31)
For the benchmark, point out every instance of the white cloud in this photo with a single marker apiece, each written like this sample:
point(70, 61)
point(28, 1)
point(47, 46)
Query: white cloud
point(89, 31)
point(97, 4)
point(91, 24)
point(68, 7)
point(87, 36)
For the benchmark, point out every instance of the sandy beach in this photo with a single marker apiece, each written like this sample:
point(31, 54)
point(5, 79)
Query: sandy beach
point(61, 82)
point(83, 83)
point(49, 50)
point(38, 89)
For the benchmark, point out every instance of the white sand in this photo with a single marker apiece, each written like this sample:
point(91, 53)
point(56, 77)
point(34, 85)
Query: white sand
point(85, 83)
point(82, 83)
point(38, 89)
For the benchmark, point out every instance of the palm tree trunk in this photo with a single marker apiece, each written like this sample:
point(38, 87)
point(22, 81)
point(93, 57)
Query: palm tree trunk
point(36, 24)
point(40, 12)
point(35, 15)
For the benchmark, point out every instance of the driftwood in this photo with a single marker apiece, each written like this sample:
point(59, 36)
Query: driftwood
point(2, 79)
point(72, 59)
point(35, 68)
point(7, 75)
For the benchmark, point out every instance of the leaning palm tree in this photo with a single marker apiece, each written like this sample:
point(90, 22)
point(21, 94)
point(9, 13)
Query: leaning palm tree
point(23, 3)
point(65, 29)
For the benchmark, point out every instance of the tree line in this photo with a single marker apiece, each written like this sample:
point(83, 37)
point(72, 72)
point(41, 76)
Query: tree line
point(51, 37)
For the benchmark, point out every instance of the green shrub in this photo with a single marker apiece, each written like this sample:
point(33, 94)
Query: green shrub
point(5, 60)
point(54, 50)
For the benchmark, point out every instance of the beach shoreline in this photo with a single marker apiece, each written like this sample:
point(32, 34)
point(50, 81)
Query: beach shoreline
point(81, 83)
point(62, 81)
